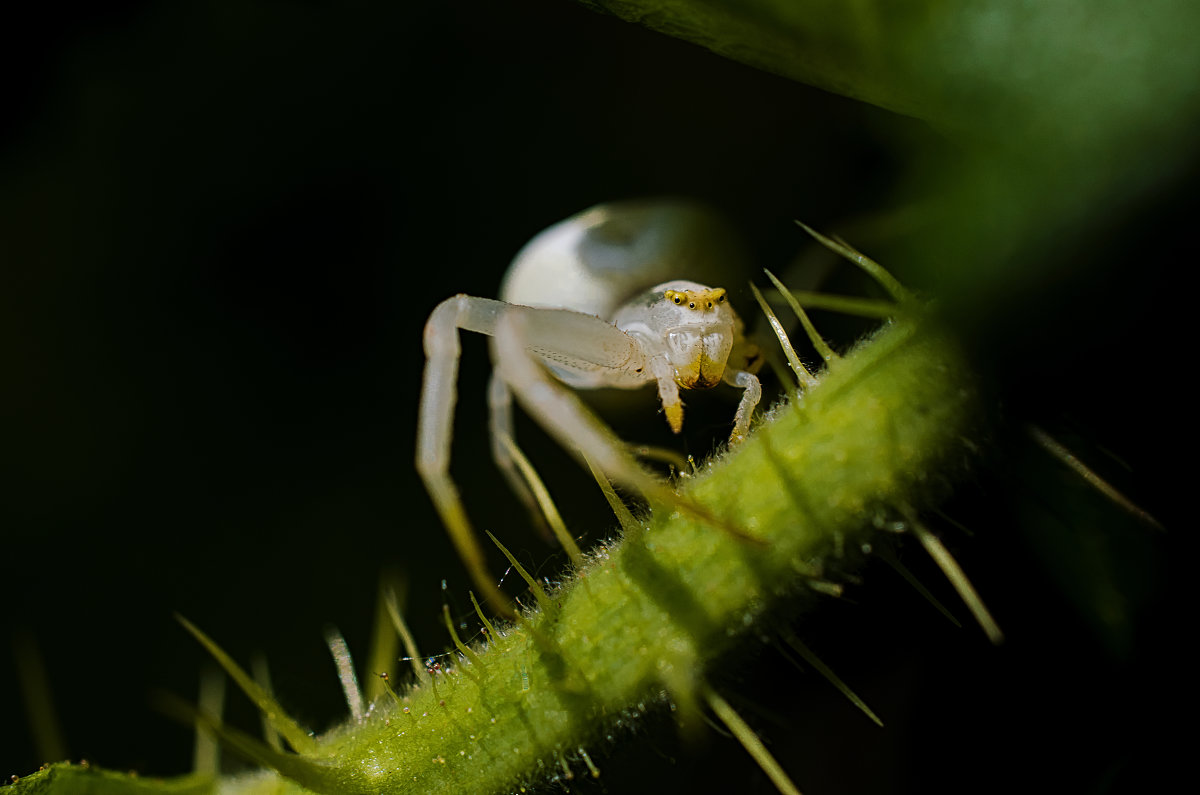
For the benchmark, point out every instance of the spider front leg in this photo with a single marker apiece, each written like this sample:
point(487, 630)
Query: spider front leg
point(565, 417)
point(751, 394)
point(668, 392)
point(500, 429)
point(581, 343)
point(436, 427)
point(584, 351)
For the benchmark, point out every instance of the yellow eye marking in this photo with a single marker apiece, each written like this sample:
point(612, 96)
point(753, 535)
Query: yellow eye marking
point(702, 299)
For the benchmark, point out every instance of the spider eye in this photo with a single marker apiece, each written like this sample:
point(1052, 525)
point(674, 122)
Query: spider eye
point(678, 300)
point(691, 305)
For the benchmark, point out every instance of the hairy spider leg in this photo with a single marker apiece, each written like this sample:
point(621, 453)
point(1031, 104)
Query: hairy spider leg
point(556, 408)
point(439, 394)
point(564, 416)
point(751, 394)
point(579, 342)
point(500, 429)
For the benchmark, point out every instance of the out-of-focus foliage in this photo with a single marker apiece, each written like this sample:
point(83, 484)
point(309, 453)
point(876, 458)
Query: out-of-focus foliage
point(222, 224)
point(1061, 120)
point(1059, 113)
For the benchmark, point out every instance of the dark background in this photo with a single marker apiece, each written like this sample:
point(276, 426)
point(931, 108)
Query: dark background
point(222, 227)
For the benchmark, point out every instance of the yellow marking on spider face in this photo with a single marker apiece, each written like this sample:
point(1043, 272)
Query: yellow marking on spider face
point(701, 374)
point(696, 299)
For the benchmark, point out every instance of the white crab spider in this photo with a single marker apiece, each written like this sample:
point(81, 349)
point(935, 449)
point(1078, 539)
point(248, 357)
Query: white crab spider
point(592, 301)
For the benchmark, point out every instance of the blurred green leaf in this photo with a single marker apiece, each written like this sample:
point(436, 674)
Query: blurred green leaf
point(1060, 113)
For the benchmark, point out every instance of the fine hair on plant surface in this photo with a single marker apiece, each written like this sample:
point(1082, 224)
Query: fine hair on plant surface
point(1037, 191)
point(881, 433)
